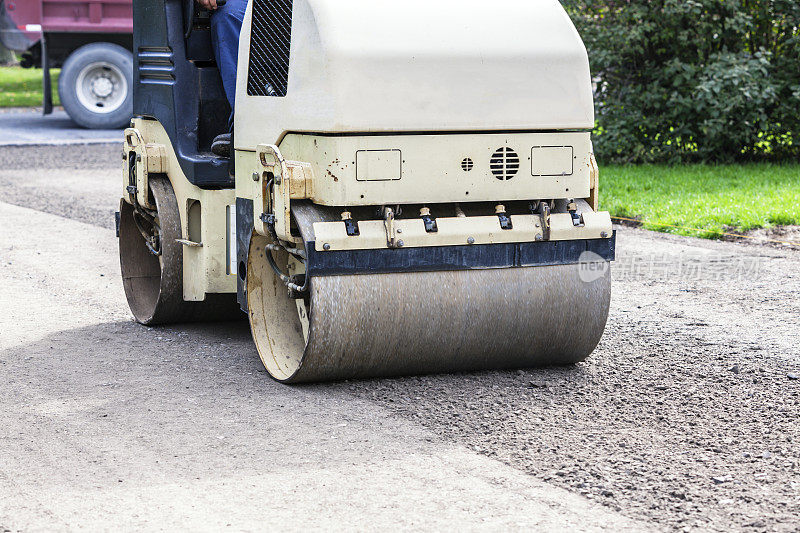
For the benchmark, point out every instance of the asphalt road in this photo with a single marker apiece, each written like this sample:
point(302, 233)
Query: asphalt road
point(29, 127)
point(687, 417)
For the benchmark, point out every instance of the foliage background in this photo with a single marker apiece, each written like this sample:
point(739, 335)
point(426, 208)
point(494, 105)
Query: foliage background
point(693, 80)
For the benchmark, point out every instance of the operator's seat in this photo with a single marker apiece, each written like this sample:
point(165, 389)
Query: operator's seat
point(176, 81)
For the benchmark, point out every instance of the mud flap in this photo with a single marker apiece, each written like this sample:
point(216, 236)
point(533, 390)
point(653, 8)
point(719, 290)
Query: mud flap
point(47, 86)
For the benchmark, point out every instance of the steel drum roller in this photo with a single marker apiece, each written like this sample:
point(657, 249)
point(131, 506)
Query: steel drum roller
point(372, 325)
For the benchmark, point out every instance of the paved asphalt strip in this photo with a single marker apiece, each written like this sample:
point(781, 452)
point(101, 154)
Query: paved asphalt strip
point(29, 127)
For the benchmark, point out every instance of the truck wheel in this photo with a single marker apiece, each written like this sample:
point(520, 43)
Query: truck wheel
point(96, 86)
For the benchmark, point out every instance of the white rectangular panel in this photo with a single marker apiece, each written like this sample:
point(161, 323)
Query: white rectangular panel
point(378, 165)
point(552, 160)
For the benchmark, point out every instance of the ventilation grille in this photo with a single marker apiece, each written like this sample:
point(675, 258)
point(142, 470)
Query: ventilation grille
point(156, 65)
point(504, 163)
point(467, 164)
point(270, 40)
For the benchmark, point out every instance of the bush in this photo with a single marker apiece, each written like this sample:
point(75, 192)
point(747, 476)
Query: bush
point(693, 80)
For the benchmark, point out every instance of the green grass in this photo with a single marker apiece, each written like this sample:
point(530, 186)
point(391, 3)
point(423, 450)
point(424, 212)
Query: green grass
point(22, 87)
point(711, 198)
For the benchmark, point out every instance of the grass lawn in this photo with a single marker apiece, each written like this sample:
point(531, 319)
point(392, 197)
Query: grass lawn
point(712, 198)
point(22, 87)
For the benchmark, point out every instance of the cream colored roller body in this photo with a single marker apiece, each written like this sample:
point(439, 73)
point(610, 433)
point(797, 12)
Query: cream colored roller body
point(406, 193)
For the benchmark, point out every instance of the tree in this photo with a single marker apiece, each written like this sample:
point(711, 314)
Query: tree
point(694, 80)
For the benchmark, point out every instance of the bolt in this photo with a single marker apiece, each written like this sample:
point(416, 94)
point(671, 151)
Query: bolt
point(399, 230)
point(326, 246)
point(470, 240)
point(603, 235)
point(538, 237)
point(138, 158)
point(400, 243)
point(255, 176)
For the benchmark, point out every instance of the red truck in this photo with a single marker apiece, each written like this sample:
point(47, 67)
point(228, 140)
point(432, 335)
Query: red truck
point(90, 40)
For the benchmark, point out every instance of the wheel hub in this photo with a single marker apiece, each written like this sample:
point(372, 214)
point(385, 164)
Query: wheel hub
point(102, 87)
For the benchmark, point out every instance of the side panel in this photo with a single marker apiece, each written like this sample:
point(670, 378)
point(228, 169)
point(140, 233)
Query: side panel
point(205, 268)
point(102, 16)
point(444, 168)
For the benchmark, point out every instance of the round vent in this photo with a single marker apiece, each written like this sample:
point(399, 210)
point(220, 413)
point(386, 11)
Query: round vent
point(504, 163)
point(467, 164)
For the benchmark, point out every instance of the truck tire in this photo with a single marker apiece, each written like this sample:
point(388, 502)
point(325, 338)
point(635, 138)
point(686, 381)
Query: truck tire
point(96, 86)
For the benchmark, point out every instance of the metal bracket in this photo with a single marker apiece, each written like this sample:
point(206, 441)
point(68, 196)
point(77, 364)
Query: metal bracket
point(350, 225)
point(544, 214)
point(428, 220)
point(391, 230)
point(273, 162)
point(594, 179)
point(191, 244)
point(505, 220)
point(574, 212)
point(137, 167)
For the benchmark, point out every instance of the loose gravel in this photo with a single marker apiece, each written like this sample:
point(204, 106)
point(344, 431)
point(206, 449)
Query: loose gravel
point(79, 182)
point(687, 414)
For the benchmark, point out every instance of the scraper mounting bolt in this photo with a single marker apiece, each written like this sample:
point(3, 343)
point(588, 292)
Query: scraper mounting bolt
point(350, 225)
point(505, 220)
point(428, 220)
point(577, 217)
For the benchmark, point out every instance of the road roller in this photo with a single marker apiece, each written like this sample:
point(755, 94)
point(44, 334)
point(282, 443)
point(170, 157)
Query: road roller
point(412, 186)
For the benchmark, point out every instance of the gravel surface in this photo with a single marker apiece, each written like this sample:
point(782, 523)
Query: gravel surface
point(686, 417)
point(78, 182)
point(688, 412)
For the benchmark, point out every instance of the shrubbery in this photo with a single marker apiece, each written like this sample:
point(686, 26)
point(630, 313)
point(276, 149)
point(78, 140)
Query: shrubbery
point(694, 80)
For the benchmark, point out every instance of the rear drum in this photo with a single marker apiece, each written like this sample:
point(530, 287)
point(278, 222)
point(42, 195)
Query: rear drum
point(153, 282)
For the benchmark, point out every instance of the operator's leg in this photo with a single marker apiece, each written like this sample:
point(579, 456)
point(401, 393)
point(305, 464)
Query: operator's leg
point(226, 24)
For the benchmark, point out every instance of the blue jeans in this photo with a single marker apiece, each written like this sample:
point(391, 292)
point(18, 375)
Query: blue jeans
point(226, 24)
